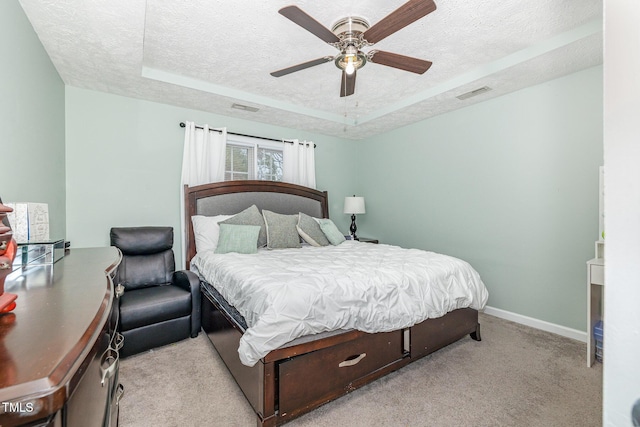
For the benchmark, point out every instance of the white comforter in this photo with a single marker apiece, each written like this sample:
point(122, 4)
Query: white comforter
point(287, 293)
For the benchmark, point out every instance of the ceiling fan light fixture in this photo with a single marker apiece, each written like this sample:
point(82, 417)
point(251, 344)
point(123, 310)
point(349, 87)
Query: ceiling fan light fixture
point(350, 62)
point(350, 68)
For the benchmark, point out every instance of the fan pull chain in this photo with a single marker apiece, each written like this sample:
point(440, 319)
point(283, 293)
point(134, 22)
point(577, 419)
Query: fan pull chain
point(344, 130)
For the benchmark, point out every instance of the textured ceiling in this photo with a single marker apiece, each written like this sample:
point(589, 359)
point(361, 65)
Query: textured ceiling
point(208, 55)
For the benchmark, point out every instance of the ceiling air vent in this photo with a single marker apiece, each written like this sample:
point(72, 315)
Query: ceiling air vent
point(244, 108)
point(474, 92)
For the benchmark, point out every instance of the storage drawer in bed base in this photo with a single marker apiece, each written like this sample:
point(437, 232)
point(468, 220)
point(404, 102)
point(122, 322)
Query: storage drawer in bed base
point(314, 378)
point(292, 381)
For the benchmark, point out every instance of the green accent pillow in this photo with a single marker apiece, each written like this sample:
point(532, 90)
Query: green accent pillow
point(250, 216)
point(310, 231)
point(242, 239)
point(330, 230)
point(281, 230)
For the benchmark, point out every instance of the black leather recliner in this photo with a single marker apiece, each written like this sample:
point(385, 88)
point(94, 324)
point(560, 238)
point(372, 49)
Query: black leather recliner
point(159, 305)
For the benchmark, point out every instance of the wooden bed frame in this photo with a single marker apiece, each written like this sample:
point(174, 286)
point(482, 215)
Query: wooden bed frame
point(302, 375)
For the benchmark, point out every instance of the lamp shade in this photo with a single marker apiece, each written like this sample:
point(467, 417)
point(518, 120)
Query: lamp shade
point(354, 205)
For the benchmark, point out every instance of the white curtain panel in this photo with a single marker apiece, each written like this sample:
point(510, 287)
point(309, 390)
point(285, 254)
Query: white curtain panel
point(299, 163)
point(203, 158)
point(203, 161)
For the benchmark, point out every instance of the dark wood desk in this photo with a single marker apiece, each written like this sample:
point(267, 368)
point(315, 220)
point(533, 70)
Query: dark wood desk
point(58, 356)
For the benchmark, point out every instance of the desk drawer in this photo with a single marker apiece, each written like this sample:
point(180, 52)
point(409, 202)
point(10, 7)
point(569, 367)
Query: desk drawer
point(597, 274)
point(311, 379)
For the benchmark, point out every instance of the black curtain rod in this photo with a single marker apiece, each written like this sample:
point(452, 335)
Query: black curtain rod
point(182, 124)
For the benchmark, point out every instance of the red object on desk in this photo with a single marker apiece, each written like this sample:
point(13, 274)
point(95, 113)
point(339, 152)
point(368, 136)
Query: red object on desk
point(8, 248)
point(7, 300)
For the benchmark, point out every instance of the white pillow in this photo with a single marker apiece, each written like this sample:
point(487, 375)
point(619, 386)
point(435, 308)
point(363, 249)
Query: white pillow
point(207, 231)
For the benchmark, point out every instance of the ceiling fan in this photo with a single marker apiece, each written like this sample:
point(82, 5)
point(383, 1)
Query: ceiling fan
point(352, 33)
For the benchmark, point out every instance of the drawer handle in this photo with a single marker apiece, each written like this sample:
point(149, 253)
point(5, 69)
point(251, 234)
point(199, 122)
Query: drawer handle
point(119, 393)
point(119, 290)
point(118, 341)
point(109, 357)
point(353, 360)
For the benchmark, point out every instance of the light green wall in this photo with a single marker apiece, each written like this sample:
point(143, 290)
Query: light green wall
point(124, 159)
point(510, 185)
point(31, 119)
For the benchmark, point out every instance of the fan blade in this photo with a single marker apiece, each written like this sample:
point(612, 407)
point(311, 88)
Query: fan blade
point(302, 66)
point(295, 14)
point(407, 63)
point(348, 85)
point(406, 14)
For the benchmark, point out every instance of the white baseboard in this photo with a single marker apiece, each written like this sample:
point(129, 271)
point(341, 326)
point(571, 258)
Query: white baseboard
point(536, 323)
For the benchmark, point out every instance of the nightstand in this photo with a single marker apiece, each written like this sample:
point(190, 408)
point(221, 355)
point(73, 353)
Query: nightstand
point(367, 240)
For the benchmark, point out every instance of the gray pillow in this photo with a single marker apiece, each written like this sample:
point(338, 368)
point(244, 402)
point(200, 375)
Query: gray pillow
point(250, 216)
point(310, 231)
point(242, 239)
point(281, 230)
point(330, 230)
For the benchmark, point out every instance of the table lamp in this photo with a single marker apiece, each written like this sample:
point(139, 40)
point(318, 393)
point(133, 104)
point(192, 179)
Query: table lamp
point(354, 206)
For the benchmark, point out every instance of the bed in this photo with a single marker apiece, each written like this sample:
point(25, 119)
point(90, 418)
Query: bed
point(291, 378)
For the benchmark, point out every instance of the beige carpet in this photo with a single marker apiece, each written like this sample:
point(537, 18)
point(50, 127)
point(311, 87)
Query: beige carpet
point(516, 376)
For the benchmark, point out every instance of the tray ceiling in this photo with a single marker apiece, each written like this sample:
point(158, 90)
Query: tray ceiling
point(208, 55)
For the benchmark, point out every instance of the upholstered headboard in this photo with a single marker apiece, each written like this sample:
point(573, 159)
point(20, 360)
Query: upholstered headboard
point(231, 197)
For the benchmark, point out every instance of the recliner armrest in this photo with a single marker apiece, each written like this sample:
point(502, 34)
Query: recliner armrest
point(187, 280)
point(190, 281)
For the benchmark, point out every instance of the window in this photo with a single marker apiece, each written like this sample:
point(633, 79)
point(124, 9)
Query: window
point(269, 164)
point(253, 158)
point(239, 162)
